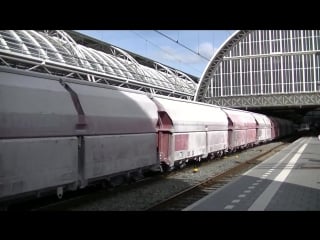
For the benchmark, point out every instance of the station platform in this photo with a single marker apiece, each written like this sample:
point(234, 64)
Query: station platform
point(286, 181)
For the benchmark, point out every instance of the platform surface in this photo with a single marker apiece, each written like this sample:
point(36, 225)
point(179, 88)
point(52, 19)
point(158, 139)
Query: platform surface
point(286, 181)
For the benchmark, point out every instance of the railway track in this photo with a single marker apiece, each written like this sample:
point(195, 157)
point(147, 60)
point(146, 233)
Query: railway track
point(194, 193)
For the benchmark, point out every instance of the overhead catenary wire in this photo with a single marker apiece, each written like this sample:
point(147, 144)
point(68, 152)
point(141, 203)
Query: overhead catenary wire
point(167, 52)
point(182, 45)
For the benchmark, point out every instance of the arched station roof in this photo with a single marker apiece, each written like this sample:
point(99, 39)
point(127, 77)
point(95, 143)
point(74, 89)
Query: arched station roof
point(214, 62)
point(56, 52)
point(264, 69)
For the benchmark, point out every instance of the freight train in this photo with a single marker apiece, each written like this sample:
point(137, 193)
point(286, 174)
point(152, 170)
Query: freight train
point(59, 134)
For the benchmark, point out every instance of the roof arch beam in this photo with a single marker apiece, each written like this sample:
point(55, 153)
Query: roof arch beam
point(214, 63)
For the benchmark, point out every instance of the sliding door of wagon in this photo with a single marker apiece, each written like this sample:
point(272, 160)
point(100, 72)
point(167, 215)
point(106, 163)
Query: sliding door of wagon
point(163, 145)
point(164, 136)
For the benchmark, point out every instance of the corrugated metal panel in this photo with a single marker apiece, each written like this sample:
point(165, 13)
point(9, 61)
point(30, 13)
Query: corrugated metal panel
point(260, 120)
point(241, 119)
point(110, 111)
point(191, 116)
point(34, 106)
point(37, 164)
point(114, 154)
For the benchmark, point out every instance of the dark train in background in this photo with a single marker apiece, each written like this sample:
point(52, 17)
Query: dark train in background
point(59, 134)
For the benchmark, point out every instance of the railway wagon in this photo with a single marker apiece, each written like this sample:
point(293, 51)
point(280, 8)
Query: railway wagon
point(282, 127)
point(286, 128)
point(263, 128)
point(241, 130)
point(275, 131)
point(268, 122)
point(119, 135)
point(60, 134)
point(189, 130)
